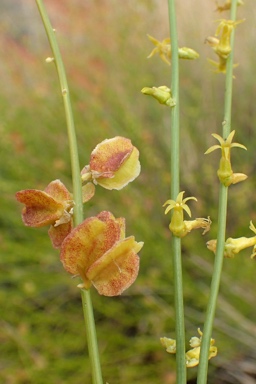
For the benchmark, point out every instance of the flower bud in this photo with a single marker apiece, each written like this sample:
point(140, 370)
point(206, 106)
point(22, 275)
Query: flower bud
point(169, 344)
point(162, 94)
point(187, 53)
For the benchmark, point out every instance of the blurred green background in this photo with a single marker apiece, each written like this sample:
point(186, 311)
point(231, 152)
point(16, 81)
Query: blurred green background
point(104, 47)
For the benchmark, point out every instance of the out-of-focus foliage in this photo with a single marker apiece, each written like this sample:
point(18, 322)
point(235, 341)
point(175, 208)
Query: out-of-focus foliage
point(104, 46)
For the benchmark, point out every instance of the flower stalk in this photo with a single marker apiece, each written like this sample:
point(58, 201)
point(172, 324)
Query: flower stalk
point(222, 216)
point(77, 186)
point(175, 189)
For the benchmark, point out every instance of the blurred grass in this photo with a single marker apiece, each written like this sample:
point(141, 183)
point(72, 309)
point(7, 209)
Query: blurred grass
point(104, 46)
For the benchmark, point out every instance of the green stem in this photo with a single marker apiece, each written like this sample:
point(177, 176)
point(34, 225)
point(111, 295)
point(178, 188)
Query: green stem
point(91, 337)
point(75, 167)
point(175, 189)
point(77, 188)
point(223, 198)
point(212, 302)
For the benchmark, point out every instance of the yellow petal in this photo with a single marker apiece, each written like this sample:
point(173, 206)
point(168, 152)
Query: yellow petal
point(212, 148)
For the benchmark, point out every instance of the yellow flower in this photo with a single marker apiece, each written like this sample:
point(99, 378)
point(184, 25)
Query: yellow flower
point(225, 29)
point(178, 226)
point(53, 206)
point(163, 94)
point(225, 172)
point(113, 164)
point(221, 46)
point(163, 48)
point(99, 253)
point(193, 355)
point(234, 246)
point(200, 222)
point(169, 344)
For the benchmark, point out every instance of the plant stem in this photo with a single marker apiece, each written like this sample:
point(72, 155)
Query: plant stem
point(91, 337)
point(75, 167)
point(223, 198)
point(77, 188)
point(211, 308)
point(175, 189)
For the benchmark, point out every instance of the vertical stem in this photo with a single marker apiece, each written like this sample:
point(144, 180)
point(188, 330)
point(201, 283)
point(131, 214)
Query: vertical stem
point(75, 167)
point(175, 111)
point(223, 197)
point(91, 337)
point(175, 188)
point(212, 302)
point(229, 78)
point(77, 188)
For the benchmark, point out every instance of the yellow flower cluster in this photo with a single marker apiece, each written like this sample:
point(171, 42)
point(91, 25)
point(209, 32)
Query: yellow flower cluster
point(192, 355)
point(221, 45)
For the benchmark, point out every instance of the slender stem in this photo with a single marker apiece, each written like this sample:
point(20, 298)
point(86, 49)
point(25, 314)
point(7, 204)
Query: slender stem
point(229, 78)
point(91, 337)
point(175, 189)
point(75, 167)
point(77, 188)
point(223, 197)
point(211, 308)
point(181, 372)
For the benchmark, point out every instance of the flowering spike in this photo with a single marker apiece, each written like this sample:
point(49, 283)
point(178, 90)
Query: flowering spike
point(225, 172)
point(163, 94)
